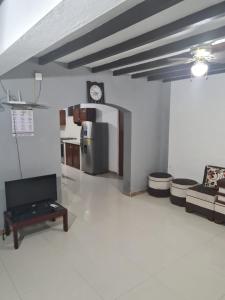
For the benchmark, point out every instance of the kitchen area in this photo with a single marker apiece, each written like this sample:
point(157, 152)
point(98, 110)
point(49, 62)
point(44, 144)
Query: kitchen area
point(71, 119)
point(89, 137)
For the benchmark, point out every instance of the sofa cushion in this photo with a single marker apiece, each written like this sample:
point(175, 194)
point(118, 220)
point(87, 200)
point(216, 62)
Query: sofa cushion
point(200, 203)
point(212, 175)
point(203, 193)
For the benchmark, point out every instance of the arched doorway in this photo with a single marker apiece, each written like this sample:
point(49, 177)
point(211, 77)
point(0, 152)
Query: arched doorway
point(123, 149)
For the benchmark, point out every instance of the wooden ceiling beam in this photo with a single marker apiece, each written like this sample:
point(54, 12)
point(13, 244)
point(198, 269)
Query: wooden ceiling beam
point(150, 65)
point(180, 25)
point(174, 74)
point(164, 50)
point(165, 70)
point(176, 78)
point(186, 73)
point(128, 18)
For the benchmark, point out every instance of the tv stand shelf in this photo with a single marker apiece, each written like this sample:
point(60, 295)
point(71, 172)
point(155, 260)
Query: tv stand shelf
point(14, 222)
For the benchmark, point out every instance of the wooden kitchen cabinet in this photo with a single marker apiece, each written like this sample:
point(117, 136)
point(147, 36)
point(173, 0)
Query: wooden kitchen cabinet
point(62, 117)
point(76, 114)
point(84, 114)
point(73, 155)
point(88, 114)
point(76, 156)
point(69, 155)
point(70, 111)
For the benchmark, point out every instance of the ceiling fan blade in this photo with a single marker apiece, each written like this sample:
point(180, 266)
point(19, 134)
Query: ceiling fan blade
point(219, 62)
point(219, 57)
point(218, 48)
point(181, 60)
point(178, 59)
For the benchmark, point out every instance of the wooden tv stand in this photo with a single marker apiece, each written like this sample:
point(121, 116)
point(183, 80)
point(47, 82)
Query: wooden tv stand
point(17, 222)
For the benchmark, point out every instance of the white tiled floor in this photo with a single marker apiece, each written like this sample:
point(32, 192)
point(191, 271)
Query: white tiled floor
point(117, 248)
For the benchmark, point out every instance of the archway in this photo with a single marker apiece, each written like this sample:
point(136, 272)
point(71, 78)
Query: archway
point(124, 144)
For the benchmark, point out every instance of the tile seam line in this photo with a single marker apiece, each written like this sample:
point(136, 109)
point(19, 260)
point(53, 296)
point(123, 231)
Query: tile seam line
point(11, 279)
point(187, 254)
point(133, 288)
point(156, 273)
point(75, 269)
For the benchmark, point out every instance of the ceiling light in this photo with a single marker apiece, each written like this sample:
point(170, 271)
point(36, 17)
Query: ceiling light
point(199, 69)
point(202, 53)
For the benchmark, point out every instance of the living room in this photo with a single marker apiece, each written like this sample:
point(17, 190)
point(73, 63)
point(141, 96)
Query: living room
point(116, 241)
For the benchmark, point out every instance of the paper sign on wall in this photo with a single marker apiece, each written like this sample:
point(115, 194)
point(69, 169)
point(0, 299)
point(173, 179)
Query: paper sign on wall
point(22, 122)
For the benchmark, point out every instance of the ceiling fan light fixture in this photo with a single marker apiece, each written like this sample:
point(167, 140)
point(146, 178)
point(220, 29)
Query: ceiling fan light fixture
point(199, 69)
point(202, 53)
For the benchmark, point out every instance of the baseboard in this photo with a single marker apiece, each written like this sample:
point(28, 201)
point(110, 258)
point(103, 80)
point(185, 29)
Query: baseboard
point(113, 172)
point(136, 193)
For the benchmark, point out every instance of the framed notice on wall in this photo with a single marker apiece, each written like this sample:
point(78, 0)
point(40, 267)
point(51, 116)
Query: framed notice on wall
point(22, 122)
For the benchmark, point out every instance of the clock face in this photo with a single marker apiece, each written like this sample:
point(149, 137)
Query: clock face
point(95, 92)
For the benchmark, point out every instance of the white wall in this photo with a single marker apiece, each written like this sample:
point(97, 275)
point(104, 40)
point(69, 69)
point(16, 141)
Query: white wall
point(164, 127)
point(29, 27)
point(149, 151)
point(197, 128)
point(141, 98)
point(103, 114)
point(40, 154)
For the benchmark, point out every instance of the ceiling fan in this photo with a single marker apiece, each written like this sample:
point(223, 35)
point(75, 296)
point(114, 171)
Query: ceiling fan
point(202, 56)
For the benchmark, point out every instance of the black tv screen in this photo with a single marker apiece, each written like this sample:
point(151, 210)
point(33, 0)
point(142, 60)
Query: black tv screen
point(30, 190)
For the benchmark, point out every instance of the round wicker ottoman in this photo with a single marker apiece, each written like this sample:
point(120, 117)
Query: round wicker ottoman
point(178, 190)
point(159, 184)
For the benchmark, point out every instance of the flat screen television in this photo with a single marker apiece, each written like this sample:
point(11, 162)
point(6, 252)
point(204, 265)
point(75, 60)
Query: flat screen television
point(30, 190)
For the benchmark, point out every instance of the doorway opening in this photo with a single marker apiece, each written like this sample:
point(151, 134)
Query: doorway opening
point(75, 150)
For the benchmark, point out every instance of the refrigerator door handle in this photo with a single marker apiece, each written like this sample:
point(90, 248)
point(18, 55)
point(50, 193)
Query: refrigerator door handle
point(85, 149)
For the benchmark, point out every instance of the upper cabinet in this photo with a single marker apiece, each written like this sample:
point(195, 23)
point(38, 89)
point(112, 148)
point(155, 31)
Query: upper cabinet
point(70, 111)
point(84, 114)
point(76, 114)
point(62, 117)
point(88, 114)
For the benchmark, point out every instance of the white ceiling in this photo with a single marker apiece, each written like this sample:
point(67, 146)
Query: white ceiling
point(176, 12)
point(71, 19)
point(190, 32)
point(15, 20)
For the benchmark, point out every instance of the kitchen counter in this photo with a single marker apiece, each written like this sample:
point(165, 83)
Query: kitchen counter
point(72, 141)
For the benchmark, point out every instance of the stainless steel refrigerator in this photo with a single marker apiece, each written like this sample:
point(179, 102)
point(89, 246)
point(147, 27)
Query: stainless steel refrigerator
point(94, 147)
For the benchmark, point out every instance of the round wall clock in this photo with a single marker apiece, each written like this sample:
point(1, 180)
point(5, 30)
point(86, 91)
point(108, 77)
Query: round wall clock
point(95, 92)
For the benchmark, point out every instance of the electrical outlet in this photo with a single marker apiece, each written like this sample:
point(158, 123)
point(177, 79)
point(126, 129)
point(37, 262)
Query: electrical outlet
point(38, 76)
